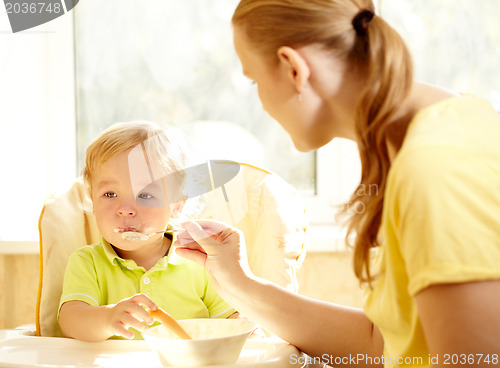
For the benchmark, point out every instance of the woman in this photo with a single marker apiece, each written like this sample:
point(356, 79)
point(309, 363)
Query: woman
point(332, 68)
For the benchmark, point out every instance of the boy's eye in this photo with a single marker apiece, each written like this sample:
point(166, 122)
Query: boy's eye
point(145, 196)
point(110, 195)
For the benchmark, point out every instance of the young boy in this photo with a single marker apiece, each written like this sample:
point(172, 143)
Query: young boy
point(107, 285)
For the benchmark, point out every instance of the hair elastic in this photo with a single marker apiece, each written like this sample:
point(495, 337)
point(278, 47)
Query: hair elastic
point(361, 20)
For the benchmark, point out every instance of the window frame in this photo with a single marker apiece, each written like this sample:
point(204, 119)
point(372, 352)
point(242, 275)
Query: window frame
point(58, 91)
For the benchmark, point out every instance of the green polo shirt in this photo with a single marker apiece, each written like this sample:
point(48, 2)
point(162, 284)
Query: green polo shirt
point(98, 276)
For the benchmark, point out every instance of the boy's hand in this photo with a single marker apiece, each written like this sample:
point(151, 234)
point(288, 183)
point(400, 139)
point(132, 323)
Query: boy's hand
point(130, 313)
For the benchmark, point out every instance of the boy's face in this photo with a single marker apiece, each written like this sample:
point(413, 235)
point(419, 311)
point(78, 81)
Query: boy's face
point(116, 206)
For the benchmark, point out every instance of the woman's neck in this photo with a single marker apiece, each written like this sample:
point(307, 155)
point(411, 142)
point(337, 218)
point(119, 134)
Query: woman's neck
point(421, 96)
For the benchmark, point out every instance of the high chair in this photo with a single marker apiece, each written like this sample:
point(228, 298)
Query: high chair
point(258, 202)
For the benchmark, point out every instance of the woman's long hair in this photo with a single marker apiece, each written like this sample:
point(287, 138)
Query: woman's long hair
point(378, 53)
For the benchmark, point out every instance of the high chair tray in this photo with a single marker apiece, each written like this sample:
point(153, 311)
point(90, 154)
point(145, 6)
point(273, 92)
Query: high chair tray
point(20, 351)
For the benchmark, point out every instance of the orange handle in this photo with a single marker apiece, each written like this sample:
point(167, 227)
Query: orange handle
point(169, 322)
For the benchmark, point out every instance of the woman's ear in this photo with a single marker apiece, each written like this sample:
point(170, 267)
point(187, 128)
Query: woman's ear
point(296, 67)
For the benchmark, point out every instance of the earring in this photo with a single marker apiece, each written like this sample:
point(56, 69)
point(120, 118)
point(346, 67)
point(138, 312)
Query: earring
point(299, 97)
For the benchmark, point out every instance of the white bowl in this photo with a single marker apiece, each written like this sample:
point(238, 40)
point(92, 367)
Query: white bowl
point(215, 341)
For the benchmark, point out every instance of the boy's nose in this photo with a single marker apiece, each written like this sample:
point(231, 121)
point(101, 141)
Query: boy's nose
point(126, 210)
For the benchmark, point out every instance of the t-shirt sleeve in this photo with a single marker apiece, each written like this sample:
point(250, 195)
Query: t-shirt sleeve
point(80, 281)
point(446, 212)
point(217, 307)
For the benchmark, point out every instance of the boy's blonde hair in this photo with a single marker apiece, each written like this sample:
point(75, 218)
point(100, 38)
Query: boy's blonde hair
point(167, 149)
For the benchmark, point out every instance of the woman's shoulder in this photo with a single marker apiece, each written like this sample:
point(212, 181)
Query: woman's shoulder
point(464, 125)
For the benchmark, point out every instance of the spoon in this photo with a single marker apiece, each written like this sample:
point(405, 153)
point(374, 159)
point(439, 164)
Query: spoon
point(170, 323)
point(137, 236)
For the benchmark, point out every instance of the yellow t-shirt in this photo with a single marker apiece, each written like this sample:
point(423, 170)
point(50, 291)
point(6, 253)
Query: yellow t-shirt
point(96, 275)
point(441, 218)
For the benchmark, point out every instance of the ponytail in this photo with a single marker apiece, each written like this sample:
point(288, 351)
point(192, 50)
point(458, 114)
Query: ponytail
point(389, 81)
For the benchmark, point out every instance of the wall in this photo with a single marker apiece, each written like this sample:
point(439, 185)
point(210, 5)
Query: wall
point(18, 289)
point(329, 276)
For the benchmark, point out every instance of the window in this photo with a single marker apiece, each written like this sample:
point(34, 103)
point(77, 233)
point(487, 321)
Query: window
point(173, 62)
point(37, 125)
point(454, 43)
